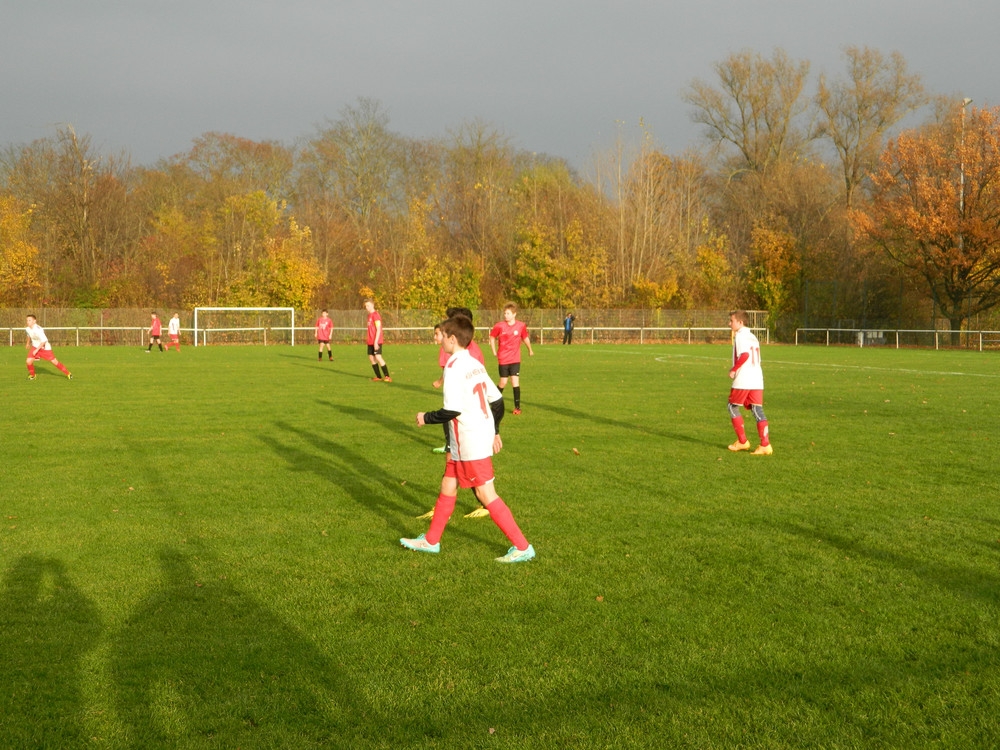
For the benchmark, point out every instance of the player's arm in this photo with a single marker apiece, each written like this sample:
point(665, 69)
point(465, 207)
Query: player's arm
point(493, 344)
point(441, 416)
point(739, 363)
point(527, 343)
point(498, 410)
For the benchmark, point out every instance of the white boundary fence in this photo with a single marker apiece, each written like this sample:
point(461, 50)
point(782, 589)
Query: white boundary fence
point(285, 335)
point(897, 338)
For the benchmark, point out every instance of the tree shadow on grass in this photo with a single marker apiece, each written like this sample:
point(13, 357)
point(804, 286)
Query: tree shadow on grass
point(47, 626)
point(629, 427)
point(970, 582)
point(202, 662)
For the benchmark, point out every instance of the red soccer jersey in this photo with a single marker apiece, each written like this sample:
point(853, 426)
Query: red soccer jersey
point(474, 350)
point(509, 338)
point(374, 331)
point(324, 327)
point(154, 328)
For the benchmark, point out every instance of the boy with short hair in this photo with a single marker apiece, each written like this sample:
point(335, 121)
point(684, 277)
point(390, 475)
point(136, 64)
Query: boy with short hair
point(472, 409)
point(324, 330)
point(38, 347)
point(505, 341)
point(375, 341)
point(154, 333)
point(748, 384)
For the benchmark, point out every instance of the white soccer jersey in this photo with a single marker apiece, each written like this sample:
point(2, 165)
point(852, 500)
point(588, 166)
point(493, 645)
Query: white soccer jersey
point(37, 336)
point(174, 326)
point(468, 389)
point(750, 377)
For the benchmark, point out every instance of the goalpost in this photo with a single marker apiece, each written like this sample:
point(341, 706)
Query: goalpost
point(201, 334)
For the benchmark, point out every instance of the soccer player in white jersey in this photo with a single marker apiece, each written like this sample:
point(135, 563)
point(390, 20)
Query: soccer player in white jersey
point(472, 409)
point(38, 347)
point(748, 384)
point(174, 331)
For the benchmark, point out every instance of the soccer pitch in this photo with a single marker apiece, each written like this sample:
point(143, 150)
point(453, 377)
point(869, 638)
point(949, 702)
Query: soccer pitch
point(201, 550)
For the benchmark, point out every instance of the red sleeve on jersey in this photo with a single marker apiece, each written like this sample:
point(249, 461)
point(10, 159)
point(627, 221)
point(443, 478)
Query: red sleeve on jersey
point(739, 363)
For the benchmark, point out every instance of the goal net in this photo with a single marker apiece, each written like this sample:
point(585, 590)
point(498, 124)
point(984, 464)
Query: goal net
point(244, 325)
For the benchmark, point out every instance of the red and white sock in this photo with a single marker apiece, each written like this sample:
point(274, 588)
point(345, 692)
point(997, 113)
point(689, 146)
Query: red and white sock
point(765, 440)
point(741, 433)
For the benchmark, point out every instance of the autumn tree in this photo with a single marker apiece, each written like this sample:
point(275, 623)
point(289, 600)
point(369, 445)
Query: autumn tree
point(935, 210)
point(857, 112)
point(19, 271)
point(753, 107)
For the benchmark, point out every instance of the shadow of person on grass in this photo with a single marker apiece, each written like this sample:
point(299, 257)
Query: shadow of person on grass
point(47, 626)
point(630, 427)
point(201, 661)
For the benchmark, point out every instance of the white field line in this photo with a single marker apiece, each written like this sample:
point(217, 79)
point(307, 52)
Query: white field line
point(767, 362)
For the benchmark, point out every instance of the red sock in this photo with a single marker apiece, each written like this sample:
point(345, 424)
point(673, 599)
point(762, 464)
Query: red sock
point(443, 509)
point(62, 367)
point(31, 370)
point(762, 431)
point(741, 433)
point(503, 518)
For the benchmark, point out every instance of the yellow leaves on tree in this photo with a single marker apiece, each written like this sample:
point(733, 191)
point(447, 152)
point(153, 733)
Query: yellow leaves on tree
point(19, 279)
point(774, 267)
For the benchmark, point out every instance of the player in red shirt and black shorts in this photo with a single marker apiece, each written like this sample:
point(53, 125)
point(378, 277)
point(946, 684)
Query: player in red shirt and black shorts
point(505, 341)
point(375, 341)
point(324, 330)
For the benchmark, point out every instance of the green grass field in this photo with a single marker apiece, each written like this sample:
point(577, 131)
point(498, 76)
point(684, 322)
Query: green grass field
point(201, 550)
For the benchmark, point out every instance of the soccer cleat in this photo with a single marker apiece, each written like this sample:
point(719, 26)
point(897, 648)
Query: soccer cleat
point(427, 516)
point(420, 544)
point(764, 450)
point(31, 377)
point(515, 555)
point(738, 446)
point(442, 449)
point(386, 379)
point(517, 410)
point(478, 513)
point(69, 376)
point(376, 380)
point(147, 351)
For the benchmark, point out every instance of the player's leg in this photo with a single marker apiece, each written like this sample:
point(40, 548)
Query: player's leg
point(30, 362)
point(443, 508)
point(374, 364)
point(384, 366)
point(504, 519)
point(741, 444)
point(765, 448)
point(515, 382)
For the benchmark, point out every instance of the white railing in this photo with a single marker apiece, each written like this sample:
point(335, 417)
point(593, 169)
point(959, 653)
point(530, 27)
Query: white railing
point(270, 335)
point(862, 337)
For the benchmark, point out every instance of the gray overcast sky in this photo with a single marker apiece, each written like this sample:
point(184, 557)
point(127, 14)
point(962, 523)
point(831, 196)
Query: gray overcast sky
point(554, 75)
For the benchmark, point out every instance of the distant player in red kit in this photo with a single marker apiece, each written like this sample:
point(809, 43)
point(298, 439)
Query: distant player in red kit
point(38, 347)
point(154, 333)
point(324, 330)
point(472, 410)
point(748, 385)
point(375, 341)
point(505, 341)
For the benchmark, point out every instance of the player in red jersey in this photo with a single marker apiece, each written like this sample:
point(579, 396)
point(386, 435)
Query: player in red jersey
point(505, 341)
point(154, 332)
point(375, 341)
point(748, 385)
point(472, 409)
point(38, 347)
point(324, 330)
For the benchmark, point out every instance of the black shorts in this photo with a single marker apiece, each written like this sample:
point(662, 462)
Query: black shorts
point(506, 371)
point(322, 341)
point(374, 349)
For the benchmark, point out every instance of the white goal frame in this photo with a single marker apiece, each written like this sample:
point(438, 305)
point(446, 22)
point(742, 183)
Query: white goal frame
point(242, 309)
